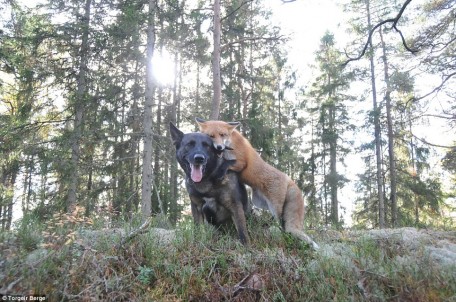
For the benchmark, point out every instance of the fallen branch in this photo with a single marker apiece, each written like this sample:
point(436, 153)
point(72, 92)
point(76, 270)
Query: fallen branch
point(10, 287)
point(252, 282)
point(136, 232)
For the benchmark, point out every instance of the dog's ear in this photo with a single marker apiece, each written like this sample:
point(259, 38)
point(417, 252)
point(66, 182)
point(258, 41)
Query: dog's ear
point(176, 134)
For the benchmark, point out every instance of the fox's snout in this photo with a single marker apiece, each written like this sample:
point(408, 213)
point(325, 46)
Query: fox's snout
point(219, 147)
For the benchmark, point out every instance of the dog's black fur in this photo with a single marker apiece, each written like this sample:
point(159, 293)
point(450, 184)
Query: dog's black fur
point(216, 193)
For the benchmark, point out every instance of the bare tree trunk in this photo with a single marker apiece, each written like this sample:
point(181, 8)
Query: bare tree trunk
point(377, 131)
point(9, 216)
point(175, 119)
point(415, 172)
point(156, 208)
point(333, 168)
point(8, 180)
point(81, 94)
point(147, 174)
point(313, 189)
point(216, 77)
point(325, 180)
point(132, 162)
point(389, 119)
point(91, 197)
point(197, 91)
point(135, 114)
point(27, 183)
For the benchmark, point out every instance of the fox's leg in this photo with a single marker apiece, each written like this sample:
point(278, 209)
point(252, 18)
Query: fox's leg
point(302, 236)
point(293, 215)
point(259, 200)
point(223, 169)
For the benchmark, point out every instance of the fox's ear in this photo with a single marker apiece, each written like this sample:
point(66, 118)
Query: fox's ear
point(233, 125)
point(176, 134)
point(199, 120)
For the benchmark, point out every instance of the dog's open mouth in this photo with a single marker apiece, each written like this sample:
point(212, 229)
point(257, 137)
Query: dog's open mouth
point(196, 172)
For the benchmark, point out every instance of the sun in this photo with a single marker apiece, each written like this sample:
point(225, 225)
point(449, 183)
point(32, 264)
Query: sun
point(163, 68)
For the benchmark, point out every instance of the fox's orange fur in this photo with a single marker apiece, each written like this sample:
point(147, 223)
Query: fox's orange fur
point(272, 189)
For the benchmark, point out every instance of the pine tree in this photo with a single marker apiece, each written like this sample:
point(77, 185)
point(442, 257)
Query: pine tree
point(23, 104)
point(328, 93)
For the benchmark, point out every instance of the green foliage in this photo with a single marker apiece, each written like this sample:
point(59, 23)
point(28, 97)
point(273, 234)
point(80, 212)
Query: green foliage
point(146, 275)
point(29, 230)
point(449, 161)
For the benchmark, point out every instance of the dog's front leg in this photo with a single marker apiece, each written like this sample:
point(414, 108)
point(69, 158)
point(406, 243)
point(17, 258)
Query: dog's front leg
point(197, 212)
point(240, 223)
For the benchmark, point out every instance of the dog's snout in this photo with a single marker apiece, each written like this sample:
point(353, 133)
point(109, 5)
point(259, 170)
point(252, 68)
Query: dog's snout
point(219, 147)
point(199, 158)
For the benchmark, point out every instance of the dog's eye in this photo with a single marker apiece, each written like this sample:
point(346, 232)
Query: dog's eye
point(189, 145)
point(212, 136)
point(222, 134)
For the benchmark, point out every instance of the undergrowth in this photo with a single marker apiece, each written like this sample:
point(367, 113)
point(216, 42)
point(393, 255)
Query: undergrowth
point(204, 264)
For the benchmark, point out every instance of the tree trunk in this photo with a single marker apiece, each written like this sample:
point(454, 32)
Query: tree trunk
point(132, 168)
point(197, 91)
point(216, 77)
point(7, 194)
point(135, 114)
point(91, 197)
point(158, 179)
point(313, 189)
point(81, 95)
point(333, 168)
point(147, 175)
point(389, 119)
point(377, 131)
point(28, 182)
point(415, 173)
point(175, 117)
point(325, 181)
point(334, 215)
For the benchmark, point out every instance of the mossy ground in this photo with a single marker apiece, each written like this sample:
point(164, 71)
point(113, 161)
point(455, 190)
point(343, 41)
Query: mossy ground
point(204, 264)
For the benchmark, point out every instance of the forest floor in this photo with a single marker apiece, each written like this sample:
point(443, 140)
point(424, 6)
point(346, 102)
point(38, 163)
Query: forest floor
point(73, 259)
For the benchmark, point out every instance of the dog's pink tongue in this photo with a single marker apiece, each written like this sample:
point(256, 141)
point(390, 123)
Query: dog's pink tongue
point(196, 173)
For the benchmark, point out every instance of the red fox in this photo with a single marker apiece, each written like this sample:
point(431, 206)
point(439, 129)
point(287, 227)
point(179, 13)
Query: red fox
point(272, 189)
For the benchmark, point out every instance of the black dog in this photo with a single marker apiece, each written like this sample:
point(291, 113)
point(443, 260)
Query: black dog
point(215, 193)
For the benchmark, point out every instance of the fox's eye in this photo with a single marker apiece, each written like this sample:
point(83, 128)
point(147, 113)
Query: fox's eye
point(211, 136)
point(222, 134)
